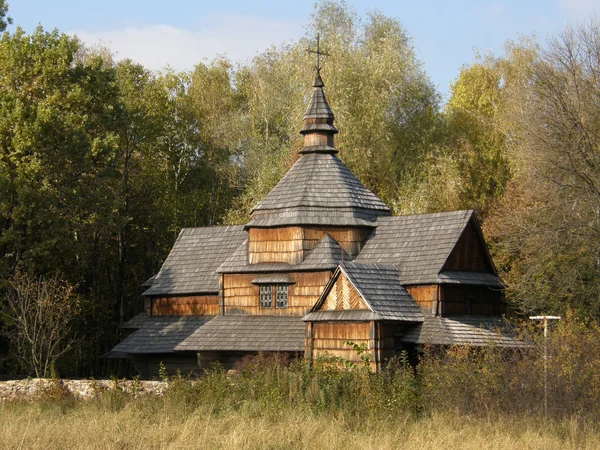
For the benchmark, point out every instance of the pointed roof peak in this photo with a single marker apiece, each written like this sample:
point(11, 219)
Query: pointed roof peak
point(318, 128)
point(318, 112)
point(327, 252)
point(318, 83)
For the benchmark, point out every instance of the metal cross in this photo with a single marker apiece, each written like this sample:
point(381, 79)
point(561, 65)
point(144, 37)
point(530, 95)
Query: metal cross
point(318, 52)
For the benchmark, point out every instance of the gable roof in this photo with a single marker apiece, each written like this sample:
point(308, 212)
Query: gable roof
point(463, 330)
point(418, 245)
point(160, 334)
point(379, 287)
point(327, 253)
point(318, 190)
point(191, 267)
point(248, 333)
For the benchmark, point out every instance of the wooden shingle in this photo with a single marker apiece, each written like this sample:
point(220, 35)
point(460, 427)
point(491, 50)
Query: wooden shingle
point(160, 334)
point(191, 267)
point(248, 333)
point(474, 331)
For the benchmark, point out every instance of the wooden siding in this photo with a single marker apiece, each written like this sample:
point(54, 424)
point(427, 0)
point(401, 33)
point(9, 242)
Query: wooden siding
point(387, 336)
point(329, 339)
point(426, 296)
point(483, 300)
point(312, 139)
point(292, 244)
point(275, 245)
point(240, 296)
point(469, 254)
point(342, 296)
point(198, 305)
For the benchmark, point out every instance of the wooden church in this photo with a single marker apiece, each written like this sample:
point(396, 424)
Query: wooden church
point(321, 262)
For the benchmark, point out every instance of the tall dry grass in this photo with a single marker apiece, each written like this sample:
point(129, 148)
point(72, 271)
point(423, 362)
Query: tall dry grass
point(487, 398)
point(152, 423)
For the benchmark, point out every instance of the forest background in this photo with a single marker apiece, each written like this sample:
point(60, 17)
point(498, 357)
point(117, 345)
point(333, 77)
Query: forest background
point(102, 163)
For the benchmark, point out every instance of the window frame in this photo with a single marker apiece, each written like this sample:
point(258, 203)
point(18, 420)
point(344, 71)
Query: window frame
point(264, 291)
point(274, 293)
point(277, 292)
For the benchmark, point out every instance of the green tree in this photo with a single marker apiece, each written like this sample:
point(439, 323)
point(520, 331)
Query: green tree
point(386, 109)
point(5, 19)
point(58, 167)
point(546, 226)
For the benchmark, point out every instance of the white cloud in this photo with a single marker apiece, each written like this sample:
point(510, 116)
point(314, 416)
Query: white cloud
point(579, 9)
point(155, 46)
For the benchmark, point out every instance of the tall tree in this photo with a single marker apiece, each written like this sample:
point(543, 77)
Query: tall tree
point(547, 226)
point(5, 19)
point(386, 108)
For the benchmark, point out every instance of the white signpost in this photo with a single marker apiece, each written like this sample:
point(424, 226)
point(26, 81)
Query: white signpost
point(545, 319)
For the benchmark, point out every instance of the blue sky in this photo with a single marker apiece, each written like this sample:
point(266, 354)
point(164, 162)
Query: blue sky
point(181, 33)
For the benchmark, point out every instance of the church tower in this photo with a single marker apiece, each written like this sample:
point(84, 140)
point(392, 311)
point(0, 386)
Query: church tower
point(319, 195)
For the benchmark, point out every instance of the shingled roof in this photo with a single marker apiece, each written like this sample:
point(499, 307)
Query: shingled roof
point(418, 245)
point(160, 334)
point(248, 333)
point(191, 267)
point(327, 254)
point(474, 331)
point(379, 287)
point(318, 190)
point(318, 115)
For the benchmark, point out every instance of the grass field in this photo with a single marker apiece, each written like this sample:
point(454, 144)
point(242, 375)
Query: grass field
point(459, 399)
point(155, 422)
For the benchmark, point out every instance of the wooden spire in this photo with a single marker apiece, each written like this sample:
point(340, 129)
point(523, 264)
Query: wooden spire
point(318, 128)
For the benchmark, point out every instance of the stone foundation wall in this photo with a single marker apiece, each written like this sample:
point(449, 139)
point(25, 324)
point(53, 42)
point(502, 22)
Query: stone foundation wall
point(31, 389)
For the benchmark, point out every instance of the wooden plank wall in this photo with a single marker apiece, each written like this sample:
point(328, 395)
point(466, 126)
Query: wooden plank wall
point(426, 296)
point(351, 239)
point(328, 339)
point(275, 245)
point(198, 305)
point(386, 340)
point(469, 254)
point(342, 296)
point(241, 296)
point(485, 301)
point(292, 244)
